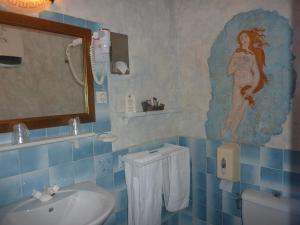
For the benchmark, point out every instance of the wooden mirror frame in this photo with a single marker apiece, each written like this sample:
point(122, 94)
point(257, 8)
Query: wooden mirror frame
point(18, 20)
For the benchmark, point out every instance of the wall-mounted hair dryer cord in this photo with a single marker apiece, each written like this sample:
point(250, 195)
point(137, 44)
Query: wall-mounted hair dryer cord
point(68, 54)
point(100, 80)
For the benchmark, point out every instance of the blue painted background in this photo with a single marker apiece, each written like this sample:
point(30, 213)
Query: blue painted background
point(273, 102)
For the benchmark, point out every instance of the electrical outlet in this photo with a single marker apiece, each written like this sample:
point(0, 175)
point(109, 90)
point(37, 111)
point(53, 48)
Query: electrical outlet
point(120, 163)
point(101, 96)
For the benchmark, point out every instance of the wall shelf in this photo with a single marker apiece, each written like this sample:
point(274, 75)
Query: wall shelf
point(45, 141)
point(126, 116)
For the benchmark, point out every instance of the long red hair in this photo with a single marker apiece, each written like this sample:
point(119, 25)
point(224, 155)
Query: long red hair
point(256, 45)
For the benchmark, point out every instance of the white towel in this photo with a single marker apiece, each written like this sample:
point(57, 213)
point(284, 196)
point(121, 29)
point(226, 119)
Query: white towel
point(144, 188)
point(176, 178)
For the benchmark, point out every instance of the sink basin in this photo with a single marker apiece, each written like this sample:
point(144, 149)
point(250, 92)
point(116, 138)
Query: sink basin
point(80, 204)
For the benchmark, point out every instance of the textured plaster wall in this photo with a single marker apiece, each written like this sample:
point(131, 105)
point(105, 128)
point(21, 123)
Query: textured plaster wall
point(150, 26)
point(169, 44)
point(198, 23)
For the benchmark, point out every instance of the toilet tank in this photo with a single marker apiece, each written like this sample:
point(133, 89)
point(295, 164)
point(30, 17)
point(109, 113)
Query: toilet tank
point(263, 208)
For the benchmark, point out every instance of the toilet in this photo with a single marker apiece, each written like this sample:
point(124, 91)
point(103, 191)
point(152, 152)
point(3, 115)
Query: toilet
point(263, 208)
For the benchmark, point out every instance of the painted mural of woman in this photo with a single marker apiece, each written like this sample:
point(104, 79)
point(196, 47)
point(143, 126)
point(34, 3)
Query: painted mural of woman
point(246, 67)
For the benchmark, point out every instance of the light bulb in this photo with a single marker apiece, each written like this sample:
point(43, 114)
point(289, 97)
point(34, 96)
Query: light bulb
point(27, 5)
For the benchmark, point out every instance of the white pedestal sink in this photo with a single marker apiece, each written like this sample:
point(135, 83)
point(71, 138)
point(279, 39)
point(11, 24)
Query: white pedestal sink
point(80, 204)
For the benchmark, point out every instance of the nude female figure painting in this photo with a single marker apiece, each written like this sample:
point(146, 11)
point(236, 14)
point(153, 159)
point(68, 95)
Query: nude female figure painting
point(252, 79)
point(246, 66)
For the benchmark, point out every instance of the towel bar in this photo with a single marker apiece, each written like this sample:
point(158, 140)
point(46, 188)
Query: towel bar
point(165, 152)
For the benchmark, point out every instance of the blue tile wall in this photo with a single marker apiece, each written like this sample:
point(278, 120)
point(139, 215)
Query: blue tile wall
point(33, 158)
point(272, 158)
point(200, 180)
point(250, 174)
point(214, 199)
point(59, 153)
point(211, 165)
point(117, 163)
point(9, 164)
point(5, 137)
point(185, 219)
point(84, 170)
point(245, 186)
point(198, 156)
point(57, 131)
point(121, 217)
point(200, 196)
point(271, 178)
point(106, 182)
point(229, 204)
point(104, 165)
point(261, 168)
point(36, 180)
point(10, 189)
point(62, 175)
point(213, 216)
point(85, 150)
point(199, 211)
point(250, 154)
point(121, 200)
point(119, 178)
point(38, 133)
point(102, 147)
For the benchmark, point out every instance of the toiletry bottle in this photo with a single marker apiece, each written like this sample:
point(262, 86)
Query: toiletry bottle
point(130, 105)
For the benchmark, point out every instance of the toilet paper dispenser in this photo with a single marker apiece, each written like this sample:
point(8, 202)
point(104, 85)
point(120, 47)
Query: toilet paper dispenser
point(228, 165)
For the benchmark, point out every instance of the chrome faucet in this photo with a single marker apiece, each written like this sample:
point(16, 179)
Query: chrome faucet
point(46, 195)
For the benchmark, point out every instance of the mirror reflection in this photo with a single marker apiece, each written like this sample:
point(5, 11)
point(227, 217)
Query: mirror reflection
point(36, 78)
point(37, 86)
point(119, 54)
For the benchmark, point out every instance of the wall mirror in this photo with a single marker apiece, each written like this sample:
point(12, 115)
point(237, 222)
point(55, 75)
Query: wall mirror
point(37, 84)
point(119, 54)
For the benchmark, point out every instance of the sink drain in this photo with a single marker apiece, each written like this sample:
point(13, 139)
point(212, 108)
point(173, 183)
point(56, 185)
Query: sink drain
point(51, 209)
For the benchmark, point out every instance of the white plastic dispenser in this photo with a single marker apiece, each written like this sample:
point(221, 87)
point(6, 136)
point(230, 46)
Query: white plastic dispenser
point(228, 165)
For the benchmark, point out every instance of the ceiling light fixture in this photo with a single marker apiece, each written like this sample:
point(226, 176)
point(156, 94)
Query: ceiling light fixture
point(27, 5)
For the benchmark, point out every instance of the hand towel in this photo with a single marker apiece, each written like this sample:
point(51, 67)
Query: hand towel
point(176, 178)
point(144, 188)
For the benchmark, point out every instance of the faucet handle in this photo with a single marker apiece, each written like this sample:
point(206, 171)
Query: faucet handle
point(53, 190)
point(36, 194)
point(56, 188)
point(43, 197)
